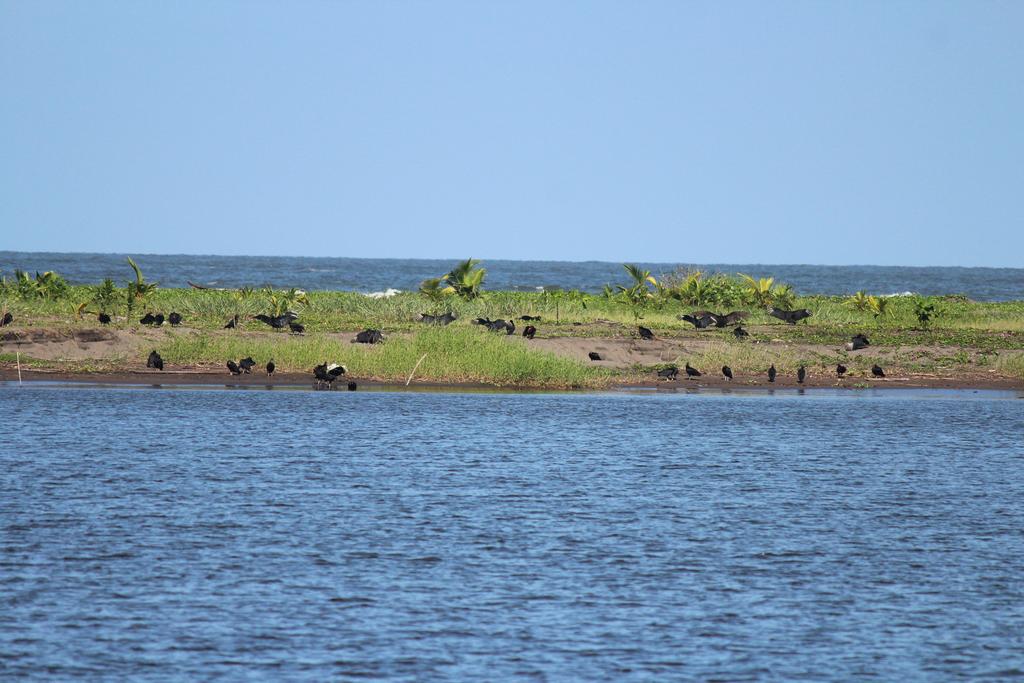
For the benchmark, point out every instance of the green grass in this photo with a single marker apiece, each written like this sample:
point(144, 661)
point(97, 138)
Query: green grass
point(466, 354)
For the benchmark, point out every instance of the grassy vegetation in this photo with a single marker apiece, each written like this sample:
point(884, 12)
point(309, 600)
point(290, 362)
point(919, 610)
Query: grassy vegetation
point(456, 354)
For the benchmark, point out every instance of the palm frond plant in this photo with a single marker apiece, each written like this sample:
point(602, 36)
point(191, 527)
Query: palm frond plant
point(759, 291)
point(466, 279)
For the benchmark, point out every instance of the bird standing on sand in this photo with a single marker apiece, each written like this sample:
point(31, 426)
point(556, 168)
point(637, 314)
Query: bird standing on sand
point(877, 371)
point(671, 372)
point(155, 361)
point(233, 368)
point(840, 370)
point(352, 386)
point(691, 372)
point(594, 355)
point(270, 367)
point(740, 333)
point(104, 319)
point(727, 371)
point(801, 375)
point(529, 331)
point(645, 333)
point(247, 364)
point(771, 373)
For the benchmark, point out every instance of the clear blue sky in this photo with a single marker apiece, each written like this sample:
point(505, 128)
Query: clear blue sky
point(791, 132)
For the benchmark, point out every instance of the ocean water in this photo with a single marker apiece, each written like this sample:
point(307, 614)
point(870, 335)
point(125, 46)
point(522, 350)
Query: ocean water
point(295, 535)
point(378, 275)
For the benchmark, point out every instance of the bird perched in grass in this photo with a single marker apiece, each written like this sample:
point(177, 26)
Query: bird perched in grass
point(529, 318)
point(671, 372)
point(155, 361)
point(233, 368)
point(369, 337)
point(857, 343)
point(148, 319)
point(691, 372)
point(727, 371)
point(877, 371)
point(296, 328)
point(174, 319)
point(233, 323)
point(278, 322)
point(7, 319)
point(103, 318)
point(699, 321)
point(645, 333)
point(247, 364)
point(740, 333)
point(789, 317)
point(801, 375)
point(158, 320)
point(270, 367)
point(840, 370)
point(594, 355)
point(530, 331)
point(771, 373)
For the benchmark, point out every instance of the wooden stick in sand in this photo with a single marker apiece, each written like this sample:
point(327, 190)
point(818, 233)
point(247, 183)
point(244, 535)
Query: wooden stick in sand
point(414, 369)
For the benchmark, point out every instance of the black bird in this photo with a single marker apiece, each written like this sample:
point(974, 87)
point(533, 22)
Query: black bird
point(790, 317)
point(857, 343)
point(147, 319)
point(482, 321)
point(155, 361)
point(529, 318)
point(326, 374)
point(498, 325)
point(445, 319)
point(296, 328)
point(877, 371)
point(233, 368)
point(840, 370)
point(801, 375)
point(733, 318)
point(174, 319)
point(691, 372)
point(7, 319)
point(594, 355)
point(104, 319)
point(277, 322)
point(158, 320)
point(671, 372)
point(771, 373)
point(740, 333)
point(352, 386)
point(368, 337)
point(529, 331)
point(645, 333)
point(233, 323)
point(247, 364)
point(321, 376)
point(727, 371)
point(699, 321)
point(270, 367)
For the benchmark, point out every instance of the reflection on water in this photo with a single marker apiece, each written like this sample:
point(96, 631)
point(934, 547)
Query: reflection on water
point(488, 536)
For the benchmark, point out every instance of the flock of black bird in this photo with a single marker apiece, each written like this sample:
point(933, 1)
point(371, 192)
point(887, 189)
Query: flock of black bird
point(325, 374)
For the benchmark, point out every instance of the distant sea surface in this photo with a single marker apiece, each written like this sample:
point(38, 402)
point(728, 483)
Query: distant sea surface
point(381, 274)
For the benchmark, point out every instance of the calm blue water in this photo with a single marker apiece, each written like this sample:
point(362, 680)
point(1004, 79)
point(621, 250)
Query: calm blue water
point(294, 535)
point(369, 275)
